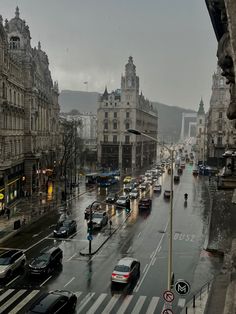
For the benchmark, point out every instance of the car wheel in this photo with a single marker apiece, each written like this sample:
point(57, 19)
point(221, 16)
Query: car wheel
point(60, 261)
point(73, 306)
point(22, 264)
point(49, 271)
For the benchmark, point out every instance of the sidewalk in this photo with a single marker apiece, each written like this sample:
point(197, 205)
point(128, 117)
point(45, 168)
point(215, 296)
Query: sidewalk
point(25, 211)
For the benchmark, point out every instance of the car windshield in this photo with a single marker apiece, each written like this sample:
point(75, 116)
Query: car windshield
point(66, 223)
point(122, 268)
point(4, 260)
point(135, 191)
point(43, 257)
point(98, 215)
point(122, 198)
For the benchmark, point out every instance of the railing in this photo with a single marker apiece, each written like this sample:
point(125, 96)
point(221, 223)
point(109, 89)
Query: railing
point(195, 295)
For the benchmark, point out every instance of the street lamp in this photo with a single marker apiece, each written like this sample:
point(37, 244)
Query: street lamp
point(170, 274)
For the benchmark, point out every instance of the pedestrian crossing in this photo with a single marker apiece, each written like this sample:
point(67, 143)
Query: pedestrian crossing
point(13, 301)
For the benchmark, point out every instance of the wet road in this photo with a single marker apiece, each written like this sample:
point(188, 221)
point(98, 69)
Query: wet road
point(143, 235)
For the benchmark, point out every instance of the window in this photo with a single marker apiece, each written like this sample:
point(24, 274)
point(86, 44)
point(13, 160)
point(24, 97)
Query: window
point(200, 130)
point(200, 121)
point(128, 103)
point(106, 114)
point(219, 140)
point(105, 138)
point(14, 42)
point(115, 125)
point(106, 103)
point(105, 126)
point(115, 114)
point(114, 138)
point(127, 126)
point(220, 115)
point(127, 114)
point(127, 139)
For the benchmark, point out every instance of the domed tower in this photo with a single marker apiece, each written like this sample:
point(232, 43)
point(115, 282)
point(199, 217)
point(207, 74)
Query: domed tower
point(130, 84)
point(19, 38)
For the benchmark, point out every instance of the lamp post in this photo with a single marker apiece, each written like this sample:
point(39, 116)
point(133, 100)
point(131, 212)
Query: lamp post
point(170, 274)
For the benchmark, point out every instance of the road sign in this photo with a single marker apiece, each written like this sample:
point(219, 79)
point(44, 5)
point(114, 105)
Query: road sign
point(168, 296)
point(1, 196)
point(167, 311)
point(182, 287)
point(90, 237)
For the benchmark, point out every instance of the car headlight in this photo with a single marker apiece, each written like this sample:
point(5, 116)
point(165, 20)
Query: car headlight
point(63, 231)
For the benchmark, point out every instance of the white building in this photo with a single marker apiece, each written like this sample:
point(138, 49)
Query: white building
point(118, 111)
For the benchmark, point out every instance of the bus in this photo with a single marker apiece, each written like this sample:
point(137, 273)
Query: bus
point(91, 178)
point(107, 178)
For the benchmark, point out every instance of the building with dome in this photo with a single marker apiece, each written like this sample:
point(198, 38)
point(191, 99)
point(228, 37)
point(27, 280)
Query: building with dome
point(118, 111)
point(29, 120)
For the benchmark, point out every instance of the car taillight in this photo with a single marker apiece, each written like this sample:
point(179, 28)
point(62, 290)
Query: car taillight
point(113, 274)
point(126, 276)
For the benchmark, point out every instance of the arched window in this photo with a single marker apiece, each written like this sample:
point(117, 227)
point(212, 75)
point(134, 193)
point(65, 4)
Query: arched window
point(14, 42)
point(3, 90)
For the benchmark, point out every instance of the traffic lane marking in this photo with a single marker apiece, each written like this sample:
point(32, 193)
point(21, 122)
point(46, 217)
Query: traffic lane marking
point(73, 278)
point(8, 284)
point(45, 281)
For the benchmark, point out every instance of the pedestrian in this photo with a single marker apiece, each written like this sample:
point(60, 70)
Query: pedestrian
point(8, 213)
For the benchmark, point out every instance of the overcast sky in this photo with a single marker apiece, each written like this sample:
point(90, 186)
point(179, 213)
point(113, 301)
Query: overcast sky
point(172, 43)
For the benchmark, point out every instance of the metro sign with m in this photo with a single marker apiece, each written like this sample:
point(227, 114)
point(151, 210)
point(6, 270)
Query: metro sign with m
point(182, 287)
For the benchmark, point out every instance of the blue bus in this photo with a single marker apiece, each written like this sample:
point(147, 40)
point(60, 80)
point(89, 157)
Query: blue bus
point(107, 178)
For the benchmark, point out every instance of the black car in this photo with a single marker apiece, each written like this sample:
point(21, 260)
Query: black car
point(66, 228)
point(112, 198)
point(145, 203)
point(176, 179)
point(46, 261)
point(57, 302)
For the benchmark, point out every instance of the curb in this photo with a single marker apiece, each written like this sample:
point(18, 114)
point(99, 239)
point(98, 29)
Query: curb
point(206, 242)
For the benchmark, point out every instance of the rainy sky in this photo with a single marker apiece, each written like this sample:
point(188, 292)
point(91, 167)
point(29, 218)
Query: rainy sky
point(172, 43)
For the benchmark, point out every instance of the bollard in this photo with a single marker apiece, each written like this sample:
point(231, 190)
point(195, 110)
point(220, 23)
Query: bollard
point(201, 294)
point(186, 310)
point(193, 301)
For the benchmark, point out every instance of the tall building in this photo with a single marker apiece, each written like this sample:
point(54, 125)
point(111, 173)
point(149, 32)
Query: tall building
point(201, 134)
point(29, 112)
point(221, 131)
point(118, 111)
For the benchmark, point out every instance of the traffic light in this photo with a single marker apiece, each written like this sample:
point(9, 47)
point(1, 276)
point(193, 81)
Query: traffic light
point(127, 208)
point(90, 227)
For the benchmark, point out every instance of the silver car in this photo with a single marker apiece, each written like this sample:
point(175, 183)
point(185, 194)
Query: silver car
point(126, 270)
point(10, 261)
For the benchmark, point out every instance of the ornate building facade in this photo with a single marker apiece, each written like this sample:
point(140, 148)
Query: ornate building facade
point(118, 111)
point(29, 120)
point(222, 14)
point(201, 134)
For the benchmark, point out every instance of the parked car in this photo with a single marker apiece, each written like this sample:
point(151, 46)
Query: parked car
point(68, 227)
point(99, 219)
point(46, 261)
point(150, 181)
point(145, 203)
point(195, 172)
point(134, 193)
point(126, 270)
point(180, 171)
point(10, 261)
point(112, 197)
point(57, 301)
point(122, 200)
point(127, 179)
point(157, 188)
point(95, 207)
point(176, 179)
point(167, 194)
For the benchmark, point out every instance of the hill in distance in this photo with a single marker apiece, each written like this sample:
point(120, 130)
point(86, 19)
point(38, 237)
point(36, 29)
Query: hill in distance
point(169, 121)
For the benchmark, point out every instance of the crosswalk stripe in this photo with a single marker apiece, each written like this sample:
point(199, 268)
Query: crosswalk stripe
point(152, 305)
point(12, 300)
point(24, 302)
point(98, 302)
point(125, 304)
point(139, 305)
point(111, 304)
point(6, 293)
point(84, 302)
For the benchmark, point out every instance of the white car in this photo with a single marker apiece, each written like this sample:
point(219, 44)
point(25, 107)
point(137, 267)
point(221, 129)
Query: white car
point(134, 193)
point(157, 188)
point(126, 270)
point(10, 261)
point(122, 200)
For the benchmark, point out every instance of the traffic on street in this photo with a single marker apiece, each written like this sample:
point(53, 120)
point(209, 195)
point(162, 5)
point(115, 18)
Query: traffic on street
point(126, 225)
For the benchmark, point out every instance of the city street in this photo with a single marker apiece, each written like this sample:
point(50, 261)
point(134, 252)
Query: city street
point(142, 235)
